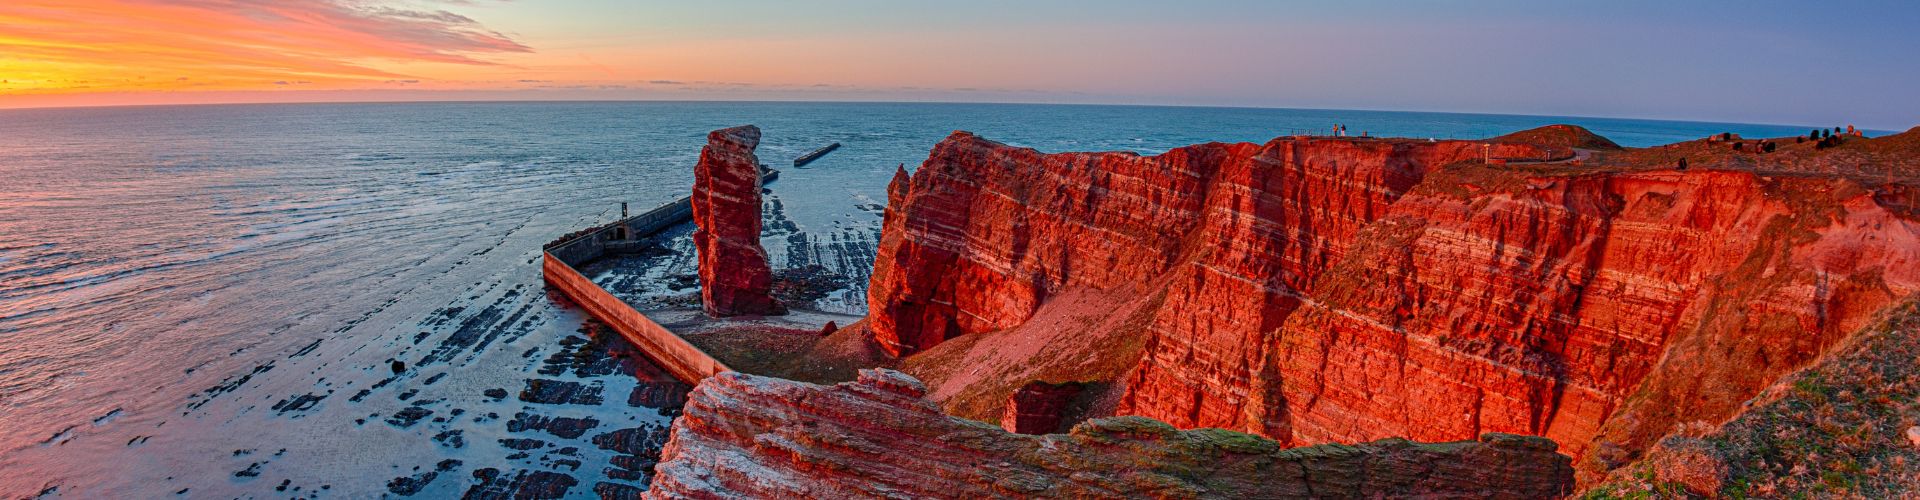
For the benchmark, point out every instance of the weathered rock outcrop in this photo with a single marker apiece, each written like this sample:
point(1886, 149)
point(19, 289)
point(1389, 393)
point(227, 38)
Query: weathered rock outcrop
point(734, 276)
point(1343, 290)
point(745, 436)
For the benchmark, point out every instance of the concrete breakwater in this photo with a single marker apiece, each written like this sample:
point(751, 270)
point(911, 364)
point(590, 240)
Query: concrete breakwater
point(563, 257)
point(814, 155)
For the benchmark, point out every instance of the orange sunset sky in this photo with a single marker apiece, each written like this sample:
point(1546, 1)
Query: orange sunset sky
point(1631, 58)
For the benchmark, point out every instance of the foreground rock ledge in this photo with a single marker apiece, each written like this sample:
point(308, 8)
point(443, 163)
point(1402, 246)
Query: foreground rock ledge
point(760, 437)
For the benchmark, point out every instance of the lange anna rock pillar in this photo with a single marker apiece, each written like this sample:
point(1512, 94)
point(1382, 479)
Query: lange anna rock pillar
point(734, 276)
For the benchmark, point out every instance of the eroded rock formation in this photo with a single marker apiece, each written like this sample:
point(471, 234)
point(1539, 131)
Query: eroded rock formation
point(1344, 290)
point(746, 436)
point(734, 276)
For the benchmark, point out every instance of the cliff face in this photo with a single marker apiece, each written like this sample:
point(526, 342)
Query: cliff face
point(745, 436)
point(734, 276)
point(1321, 290)
point(976, 239)
point(1599, 310)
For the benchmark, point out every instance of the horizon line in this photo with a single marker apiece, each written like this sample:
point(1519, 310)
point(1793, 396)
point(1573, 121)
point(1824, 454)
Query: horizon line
point(4, 108)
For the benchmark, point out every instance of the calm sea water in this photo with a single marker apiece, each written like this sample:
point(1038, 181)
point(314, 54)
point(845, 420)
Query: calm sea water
point(153, 260)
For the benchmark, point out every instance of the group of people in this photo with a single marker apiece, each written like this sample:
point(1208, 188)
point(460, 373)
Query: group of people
point(1340, 130)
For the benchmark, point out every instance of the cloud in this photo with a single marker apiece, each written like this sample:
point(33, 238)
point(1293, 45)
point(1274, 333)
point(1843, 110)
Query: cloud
point(254, 42)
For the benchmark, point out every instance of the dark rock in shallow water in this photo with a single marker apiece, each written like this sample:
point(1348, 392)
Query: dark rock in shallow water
point(496, 393)
point(407, 417)
point(564, 427)
point(623, 474)
point(299, 403)
point(558, 392)
point(617, 491)
point(250, 471)
point(643, 441)
point(585, 357)
point(632, 467)
point(519, 485)
point(659, 394)
point(453, 438)
point(523, 444)
point(407, 486)
point(410, 485)
point(635, 462)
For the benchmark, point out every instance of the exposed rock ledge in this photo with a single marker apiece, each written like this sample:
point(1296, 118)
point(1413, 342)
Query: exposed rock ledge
point(762, 437)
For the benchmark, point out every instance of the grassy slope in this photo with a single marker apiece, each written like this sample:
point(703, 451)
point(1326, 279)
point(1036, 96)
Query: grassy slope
point(1836, 429)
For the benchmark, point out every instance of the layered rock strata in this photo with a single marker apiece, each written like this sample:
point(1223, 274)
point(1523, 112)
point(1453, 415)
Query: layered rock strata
point(1344, 290)
point(746, 436)
point(735, 278)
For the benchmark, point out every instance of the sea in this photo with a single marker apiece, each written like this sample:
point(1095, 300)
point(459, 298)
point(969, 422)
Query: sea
point(209, 301)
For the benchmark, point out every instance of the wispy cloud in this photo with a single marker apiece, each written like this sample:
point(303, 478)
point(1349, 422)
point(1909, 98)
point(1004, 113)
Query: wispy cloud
point(56, 43)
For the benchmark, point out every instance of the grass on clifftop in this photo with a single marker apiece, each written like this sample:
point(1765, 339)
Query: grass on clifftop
point(1835, 430)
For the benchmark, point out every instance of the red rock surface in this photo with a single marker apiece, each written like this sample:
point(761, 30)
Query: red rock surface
point(745, 436)
point(1037, 407)
point(974, 240)
point(734, 276)
point(1341, 290)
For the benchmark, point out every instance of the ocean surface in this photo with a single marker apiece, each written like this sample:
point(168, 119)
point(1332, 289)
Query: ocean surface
point(207, 300)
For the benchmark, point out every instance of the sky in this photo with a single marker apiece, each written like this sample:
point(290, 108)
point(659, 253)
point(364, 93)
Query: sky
point(1798, 63)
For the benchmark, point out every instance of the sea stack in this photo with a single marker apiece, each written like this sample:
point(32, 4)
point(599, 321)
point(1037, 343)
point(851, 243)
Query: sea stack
point(734, 276)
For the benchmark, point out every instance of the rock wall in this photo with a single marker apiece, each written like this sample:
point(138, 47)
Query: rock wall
point(745, 436)
point(734, 275)
point(1342, 290)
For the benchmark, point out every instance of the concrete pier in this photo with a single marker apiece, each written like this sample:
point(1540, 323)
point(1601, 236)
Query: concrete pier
point(815, 154)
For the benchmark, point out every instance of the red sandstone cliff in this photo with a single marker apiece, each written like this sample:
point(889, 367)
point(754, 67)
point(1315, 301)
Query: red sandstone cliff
point(1342, 290)
point(734, 276)
point(745, 436)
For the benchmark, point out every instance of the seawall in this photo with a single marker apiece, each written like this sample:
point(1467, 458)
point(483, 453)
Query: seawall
point(559, 258)
point(683, 360)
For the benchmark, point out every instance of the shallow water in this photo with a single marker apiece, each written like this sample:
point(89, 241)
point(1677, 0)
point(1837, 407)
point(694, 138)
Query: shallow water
point(170, 275)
